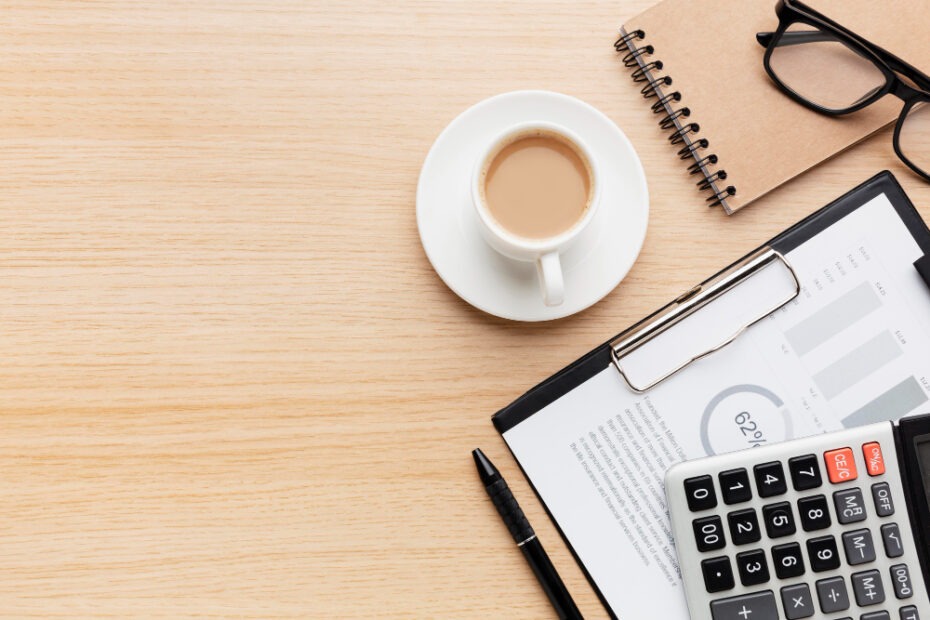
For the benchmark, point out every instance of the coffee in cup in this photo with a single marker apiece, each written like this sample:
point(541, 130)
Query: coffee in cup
point(537, 185)
point(535, 189)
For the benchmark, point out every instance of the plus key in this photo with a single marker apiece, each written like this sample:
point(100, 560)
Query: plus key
point(758, 606)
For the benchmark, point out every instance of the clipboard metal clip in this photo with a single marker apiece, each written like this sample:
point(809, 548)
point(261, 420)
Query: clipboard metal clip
point(690, 302)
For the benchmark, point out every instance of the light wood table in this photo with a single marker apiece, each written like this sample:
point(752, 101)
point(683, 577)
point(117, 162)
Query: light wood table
point(232, 384)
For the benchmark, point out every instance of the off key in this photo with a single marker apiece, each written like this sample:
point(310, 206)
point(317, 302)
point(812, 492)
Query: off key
point(841, 465)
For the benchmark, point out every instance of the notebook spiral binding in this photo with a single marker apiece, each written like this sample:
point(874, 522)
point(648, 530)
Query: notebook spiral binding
point(640, 57)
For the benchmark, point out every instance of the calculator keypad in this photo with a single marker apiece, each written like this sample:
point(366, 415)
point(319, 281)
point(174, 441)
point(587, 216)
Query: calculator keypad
point(809, 534)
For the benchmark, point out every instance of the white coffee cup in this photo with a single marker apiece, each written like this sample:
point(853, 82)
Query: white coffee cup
point(544, 252)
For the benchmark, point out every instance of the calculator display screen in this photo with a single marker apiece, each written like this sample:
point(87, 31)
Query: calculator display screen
point(922, 445)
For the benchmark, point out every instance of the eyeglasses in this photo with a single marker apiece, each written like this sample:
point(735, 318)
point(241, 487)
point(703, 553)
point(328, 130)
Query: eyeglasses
point(832, 70)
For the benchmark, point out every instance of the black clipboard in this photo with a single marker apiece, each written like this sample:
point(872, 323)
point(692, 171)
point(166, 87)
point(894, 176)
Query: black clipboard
point(610, 353)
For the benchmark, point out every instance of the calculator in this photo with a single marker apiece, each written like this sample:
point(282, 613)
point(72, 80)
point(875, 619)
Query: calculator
point(834, 526)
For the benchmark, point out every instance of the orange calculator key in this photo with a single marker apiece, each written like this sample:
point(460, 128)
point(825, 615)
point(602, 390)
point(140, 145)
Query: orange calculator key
point(874, 461)
point(841, 466)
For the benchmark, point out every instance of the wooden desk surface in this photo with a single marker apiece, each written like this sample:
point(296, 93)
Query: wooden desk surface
point(232, 385)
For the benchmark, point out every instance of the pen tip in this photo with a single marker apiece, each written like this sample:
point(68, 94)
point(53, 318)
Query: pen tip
point(486, 468)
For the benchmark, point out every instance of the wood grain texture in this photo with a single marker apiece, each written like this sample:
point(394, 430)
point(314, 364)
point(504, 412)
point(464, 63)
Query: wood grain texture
point(232, 384)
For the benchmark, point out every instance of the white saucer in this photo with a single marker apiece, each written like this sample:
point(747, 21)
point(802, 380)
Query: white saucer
point(449, 231)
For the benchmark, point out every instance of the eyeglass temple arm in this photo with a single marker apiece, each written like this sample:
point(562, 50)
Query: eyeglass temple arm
point(815, 36)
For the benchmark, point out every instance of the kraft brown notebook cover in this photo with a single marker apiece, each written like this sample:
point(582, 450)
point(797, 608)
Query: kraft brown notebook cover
point(761, 138)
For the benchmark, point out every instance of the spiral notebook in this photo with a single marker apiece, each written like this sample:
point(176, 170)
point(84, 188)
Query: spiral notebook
point(700, 68)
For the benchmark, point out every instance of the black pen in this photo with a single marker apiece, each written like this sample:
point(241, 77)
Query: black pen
point(525, 537)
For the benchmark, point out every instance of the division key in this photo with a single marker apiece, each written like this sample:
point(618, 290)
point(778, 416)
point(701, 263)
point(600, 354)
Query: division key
point(758, 606)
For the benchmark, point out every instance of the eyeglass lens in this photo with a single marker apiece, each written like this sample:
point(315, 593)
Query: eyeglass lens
point(823, 70)
point(914, 139)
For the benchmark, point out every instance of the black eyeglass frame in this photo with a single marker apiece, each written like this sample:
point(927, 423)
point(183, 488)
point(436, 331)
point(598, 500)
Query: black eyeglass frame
point(791, 12)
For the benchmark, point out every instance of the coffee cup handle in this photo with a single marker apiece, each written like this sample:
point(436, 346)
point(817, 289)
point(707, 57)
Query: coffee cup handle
point(549, 268)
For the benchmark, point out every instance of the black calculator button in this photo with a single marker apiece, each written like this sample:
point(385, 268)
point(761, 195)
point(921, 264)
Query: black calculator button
point(850, 506)
point(833, 595)
point(718, 575)
point(876, 615)
point(881, 497)
point(868, 588)
point(744, 527)
point(779, 520)
point(909, 613)
point(770, 479)
point(901, 580)
point(891, 537)
point(859, 547)
point(797, 601)
point(756, 606)
point(823, 554)
point(708, 532)
point(788, 560)
point(700, 493)
point(814, 513)
point(805, 472)
point(734, 486)
point(753, 568)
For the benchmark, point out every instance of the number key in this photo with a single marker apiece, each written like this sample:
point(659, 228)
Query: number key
point(815, 514)
point(788, 560)
point(752, 567)
point(770, 479)
point(708, 532)
point(823, 554)
point(779, 521)
point(805, 472)
point(734, 484)
point(744, 527)
point(700, 493)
